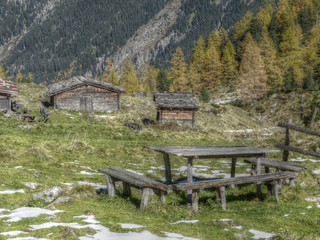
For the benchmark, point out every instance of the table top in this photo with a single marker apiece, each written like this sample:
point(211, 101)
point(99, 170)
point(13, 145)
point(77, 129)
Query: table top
point(212, 151)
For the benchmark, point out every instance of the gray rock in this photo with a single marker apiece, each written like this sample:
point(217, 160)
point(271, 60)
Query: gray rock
point(240, 236)
point(146, 104)
point(7, 115)
point(26, 126)
point(31, 185)
point(61, 200)
point(48, 195)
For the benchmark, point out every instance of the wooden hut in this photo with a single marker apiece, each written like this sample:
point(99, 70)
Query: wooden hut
point(85, 94)
point(7, 89)
point(176, 107)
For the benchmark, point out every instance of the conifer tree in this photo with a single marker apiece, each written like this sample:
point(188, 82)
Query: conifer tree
point(252, 74)
point(204, 95)
point(289, 83)
point(3, 73)
point(194, 77)
point(19, 77)
point(273, 29)
point(149, 80)
point(212, 69)
point(229, 63)
point(309, 82)
point(129, 79)
point(110, 74)
point(196, 66)
point(214, 39)
point(163, 83)
point(178, 72)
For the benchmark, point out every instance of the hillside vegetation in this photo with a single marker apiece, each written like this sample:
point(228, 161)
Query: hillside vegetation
point(68, 150)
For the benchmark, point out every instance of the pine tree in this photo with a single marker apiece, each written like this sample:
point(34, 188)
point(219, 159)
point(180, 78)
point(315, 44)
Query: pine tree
point(110, 74)
point(229, 64)
point(252, 74)
point(149, 80)
point(204, 95)
point(212, 67)
point(163, 83)
point(178, 72)
point(214, 40)
point(289, 83)
point(3, 73)
point(129, 79)
point(273, 29)
point(309, 82)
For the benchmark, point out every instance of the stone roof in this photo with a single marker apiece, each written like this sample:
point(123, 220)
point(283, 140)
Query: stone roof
point(79, 81)
point(176, 100)
point(9, 88)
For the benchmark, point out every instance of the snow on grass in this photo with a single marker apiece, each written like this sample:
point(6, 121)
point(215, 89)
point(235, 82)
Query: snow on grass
point(130, 225)
point(27, 212)
point(89, 173)
point(12, 191)
point(260, 235)
point(81, 183)
point(300, 159)
point(186, 221)
point(316, 171)
point(13, 233)
point(28, 238)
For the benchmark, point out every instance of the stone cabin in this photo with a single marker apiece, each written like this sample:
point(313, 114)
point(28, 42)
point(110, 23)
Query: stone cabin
point(7, 89)
point(85, 94)
point(176, 107)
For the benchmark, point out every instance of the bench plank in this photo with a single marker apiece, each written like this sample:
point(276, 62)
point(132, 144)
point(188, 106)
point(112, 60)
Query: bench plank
point(286, 166)
point(237, 180)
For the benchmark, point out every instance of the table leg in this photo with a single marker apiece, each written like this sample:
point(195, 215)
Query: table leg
point(167, 166)
point(233, 167)
point(189, 177)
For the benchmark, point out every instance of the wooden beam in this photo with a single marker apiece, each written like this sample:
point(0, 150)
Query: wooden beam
point(299, 129)
point(111, 186)
point(167, 165)
point(144, 198)
point(195, 200)
point(298, 150)
point(223, 197)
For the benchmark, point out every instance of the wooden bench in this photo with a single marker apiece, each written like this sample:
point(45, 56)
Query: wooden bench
point(220, 185)
point(132, 179)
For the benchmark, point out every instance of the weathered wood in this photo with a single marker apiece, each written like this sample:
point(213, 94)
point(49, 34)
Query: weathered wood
point(285, 154)
point(314, 115)
point(233, 167)
point(223, 197)
point(266, 169)
point(259, 173)
point(218, 193)
point(144, 198)
point(111, 186)
point(189, 178)
point(299, 129)
point(298, 150)
point(301, 108)
point(285, 166)
point(237, 180)
point(167, 166)
point(195, 200)
point(163, 197)
point(276, 190)
point(126, 189)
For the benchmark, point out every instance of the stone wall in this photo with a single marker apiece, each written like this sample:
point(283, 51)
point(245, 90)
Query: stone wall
point(4, 103)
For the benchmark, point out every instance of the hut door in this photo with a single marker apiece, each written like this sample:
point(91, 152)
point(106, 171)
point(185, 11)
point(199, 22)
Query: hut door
point(86, 103)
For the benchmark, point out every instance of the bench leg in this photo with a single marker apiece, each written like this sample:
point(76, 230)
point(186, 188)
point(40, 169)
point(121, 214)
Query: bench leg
point(280, 180)
point(259, 173)
point(195, 200)
point(253, 170)
point(163, 197)
point(276, 190)
point(233, 169)
point(190, 178)
point(269, 187)
point(291, 181)
point(223, 197)
point(111, 186)
point(144, 198)
point(218, 193)
point(126, 189)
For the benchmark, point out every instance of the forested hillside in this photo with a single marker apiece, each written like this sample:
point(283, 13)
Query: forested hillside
point(57, 38)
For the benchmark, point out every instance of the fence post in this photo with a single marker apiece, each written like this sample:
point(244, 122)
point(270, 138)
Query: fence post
point(285, 155)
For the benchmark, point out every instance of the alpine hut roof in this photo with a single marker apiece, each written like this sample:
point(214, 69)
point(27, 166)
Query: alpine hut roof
point(79, 81)
point(9, 88)
point(176, 100)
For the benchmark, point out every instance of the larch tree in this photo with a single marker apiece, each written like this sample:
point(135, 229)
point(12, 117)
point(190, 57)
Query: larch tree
point(3, 73)
point(178, 72)
point(129, 79)
point(212, 69)
point(110, 74)
point(149, 80)
point(162, 81)
point(252, 74)
point(229, 63)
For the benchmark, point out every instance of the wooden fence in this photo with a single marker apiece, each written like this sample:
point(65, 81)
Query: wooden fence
point(286, 147)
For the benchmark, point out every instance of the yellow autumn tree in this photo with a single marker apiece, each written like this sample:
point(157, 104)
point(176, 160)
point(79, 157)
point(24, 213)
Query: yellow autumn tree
point(178, 72)
point(252, 74)
point(110, 74)
point(229, 63)
point(3, 73)
point(129, 79)
point(149, 80)
point(212, 69)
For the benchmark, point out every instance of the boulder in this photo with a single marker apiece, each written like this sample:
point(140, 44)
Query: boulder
point(31, 185)
point(48, 195)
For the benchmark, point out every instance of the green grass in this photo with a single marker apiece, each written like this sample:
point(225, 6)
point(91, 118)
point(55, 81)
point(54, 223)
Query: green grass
point(101, 142)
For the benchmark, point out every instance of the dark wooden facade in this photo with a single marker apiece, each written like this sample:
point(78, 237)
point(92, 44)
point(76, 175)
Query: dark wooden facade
point(83, 94)
point(176, 107)
point(7, 89)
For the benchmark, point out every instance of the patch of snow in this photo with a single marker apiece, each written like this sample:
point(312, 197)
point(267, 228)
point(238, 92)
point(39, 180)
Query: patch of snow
point(316, 171)
point(260, 235)
point(176, 236)
point(186, 221)
point(130, 225)
point(237, 227)
point(12, 191)
point(309, 207)
point(226, 220)
point(18, 167)
point(300, 159)
point(3, 210)
point(28, 238)
point(27, 212)
point(286, 215)
point(89, 173)
point(88, 219)
point(303, 213)
point(318, 205)
point(12, 233)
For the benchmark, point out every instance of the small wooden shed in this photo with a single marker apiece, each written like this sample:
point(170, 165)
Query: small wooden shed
point(7, 89)
point(176, 107)
point(85, 94)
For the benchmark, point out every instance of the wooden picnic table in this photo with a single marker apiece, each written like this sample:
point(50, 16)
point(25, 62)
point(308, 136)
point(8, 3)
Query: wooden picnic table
point(200, 152)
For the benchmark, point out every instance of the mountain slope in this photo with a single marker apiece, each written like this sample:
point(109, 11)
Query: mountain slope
point(48, 37)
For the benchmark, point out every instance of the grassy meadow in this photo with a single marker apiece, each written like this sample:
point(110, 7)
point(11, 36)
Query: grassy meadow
point(71, 146)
